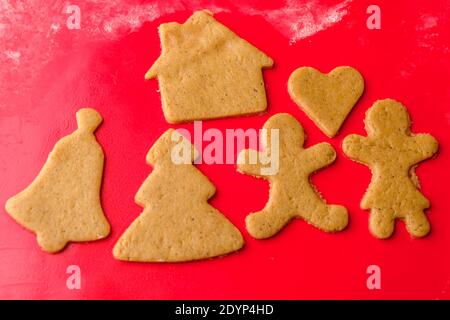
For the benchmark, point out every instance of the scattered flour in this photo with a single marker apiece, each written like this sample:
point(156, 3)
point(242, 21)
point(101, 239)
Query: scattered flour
point(427, 22)
point(33, 20)
point(301, 20)
point(14, 56)
point(33, 32)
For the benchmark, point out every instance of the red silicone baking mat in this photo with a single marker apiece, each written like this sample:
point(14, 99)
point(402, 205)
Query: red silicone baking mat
point(49, 71)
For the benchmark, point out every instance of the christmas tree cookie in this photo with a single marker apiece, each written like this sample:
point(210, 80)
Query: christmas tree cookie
point(177, 223)
point(63, 203)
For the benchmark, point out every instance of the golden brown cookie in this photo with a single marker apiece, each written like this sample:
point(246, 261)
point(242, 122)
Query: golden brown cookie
point(177, 223)
point(326, 98)
point(291, 192)
point(206, 71)
point(391, 151)
point(63, 203)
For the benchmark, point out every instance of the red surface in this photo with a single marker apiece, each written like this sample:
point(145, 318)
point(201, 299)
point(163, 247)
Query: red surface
point(405, 60)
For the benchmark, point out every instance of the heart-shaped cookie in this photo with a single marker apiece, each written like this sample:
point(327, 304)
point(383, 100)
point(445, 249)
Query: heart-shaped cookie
point(326, 98)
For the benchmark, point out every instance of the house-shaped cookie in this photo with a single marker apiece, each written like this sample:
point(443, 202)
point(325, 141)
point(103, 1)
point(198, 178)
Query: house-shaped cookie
point(206, 71)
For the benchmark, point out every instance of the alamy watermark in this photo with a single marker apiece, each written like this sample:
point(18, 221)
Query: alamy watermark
point(222, 148)
point(73, 22)
point(373, 22)
point(374, 279)
point(73, 281)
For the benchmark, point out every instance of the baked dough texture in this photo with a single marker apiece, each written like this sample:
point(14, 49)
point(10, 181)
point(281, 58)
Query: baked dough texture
point(177, 223)
point(206, 71)
point(327, 99)
point(392, 152)
point(63, 203)
point(291, 192)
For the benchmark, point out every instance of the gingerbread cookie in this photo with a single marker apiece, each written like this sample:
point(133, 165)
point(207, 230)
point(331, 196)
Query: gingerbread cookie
point(177, 223)
point(291, 193)
point(206, 71)
point(63, 203)
point(391, 151)
point(326, 98)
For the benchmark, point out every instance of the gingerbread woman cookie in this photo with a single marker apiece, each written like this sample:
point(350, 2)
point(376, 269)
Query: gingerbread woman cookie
point(291, 193)
point(391, 151)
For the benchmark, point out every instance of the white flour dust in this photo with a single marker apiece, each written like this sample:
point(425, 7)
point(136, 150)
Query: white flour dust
point(33, 31)
point(301, 20)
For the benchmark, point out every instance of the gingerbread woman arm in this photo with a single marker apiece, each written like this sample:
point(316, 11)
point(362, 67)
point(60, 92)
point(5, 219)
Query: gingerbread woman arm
point(319, 156)
point(249, 162)
point(357, 148)
point(422, 146)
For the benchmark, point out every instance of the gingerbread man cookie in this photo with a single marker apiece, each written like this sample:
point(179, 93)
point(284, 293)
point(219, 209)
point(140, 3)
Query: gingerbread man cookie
point(291, 193)
point(391, 151)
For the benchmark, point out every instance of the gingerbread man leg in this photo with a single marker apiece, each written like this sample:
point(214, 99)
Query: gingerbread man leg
point(381, 223)
point(264, 224)
point(329, 218)
point(417, 224)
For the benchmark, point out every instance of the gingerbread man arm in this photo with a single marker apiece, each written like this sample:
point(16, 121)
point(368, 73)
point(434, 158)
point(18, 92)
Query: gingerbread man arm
point(249, 162)
point(357, 148)
point(422, 146)
point(319, 156)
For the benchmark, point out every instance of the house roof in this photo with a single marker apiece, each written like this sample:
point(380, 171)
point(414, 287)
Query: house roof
point(199, 34)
